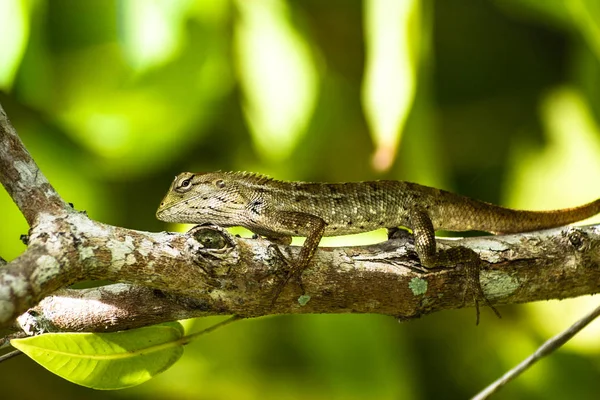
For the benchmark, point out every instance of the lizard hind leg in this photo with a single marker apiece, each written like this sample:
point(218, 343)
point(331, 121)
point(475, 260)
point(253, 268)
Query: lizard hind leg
point(430, 257)
point(295, 221)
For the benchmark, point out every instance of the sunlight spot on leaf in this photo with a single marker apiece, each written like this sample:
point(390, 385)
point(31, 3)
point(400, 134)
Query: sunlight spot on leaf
point(277, 74)
point(392, 39)
point(14, 32)
point(152, 30)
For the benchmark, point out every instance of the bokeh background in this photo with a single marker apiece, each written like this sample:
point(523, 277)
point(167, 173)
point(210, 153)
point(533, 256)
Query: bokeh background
point(495, 99)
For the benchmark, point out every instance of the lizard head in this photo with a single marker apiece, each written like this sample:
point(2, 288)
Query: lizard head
point(197, 198)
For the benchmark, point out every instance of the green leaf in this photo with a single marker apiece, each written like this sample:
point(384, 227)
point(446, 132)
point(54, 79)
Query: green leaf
point(107, 360)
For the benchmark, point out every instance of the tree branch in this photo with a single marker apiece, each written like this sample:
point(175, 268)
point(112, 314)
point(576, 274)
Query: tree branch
point(21, 177)
point(209, 272)
point(218, 274)
point(107, 308)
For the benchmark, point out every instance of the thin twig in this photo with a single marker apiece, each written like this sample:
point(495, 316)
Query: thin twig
point(547, 348)
point(10, 355)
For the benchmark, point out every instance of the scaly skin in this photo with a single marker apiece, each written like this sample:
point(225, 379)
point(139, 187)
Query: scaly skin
point(279, 210)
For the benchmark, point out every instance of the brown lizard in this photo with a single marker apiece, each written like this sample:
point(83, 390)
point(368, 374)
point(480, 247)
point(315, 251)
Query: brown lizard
point(279, 210)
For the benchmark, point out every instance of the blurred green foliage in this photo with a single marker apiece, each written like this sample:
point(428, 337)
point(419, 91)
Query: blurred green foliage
point(498, 100)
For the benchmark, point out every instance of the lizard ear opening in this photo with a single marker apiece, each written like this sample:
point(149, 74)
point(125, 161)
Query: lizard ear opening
point(220, 183)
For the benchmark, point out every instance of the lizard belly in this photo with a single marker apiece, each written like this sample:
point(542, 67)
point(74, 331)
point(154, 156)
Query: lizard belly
point(331, 229)
point(355, 226)
point(361, 219)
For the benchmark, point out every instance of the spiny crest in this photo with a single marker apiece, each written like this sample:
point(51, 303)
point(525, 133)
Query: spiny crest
point(252, 176)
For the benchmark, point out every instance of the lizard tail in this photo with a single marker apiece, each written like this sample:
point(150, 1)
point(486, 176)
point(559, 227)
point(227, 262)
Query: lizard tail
point(506, 220)
point(460, 213)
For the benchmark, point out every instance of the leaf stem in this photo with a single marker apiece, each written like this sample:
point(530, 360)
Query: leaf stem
point(189, 338)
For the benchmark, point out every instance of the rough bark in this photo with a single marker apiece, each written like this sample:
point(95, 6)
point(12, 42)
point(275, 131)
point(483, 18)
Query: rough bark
point(209, 272)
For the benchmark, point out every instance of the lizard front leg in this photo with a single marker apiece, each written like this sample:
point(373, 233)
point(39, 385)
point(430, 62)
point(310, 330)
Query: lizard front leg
point(430, 257)
point(299, 223)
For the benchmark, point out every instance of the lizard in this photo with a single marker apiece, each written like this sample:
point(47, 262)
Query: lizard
point(279, 210)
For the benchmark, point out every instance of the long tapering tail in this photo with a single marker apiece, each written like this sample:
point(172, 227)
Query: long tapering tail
point(481, 216)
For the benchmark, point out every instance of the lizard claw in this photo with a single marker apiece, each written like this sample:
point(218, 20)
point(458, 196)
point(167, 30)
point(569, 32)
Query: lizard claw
point(276, 293)
point(290, 273)
point(283, 283)
point(473, 286)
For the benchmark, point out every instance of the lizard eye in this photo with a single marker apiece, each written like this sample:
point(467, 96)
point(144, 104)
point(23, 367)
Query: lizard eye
point(220, 183)
point(185, 184)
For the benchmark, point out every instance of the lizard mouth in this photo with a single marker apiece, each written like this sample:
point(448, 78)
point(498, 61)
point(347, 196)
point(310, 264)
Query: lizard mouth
point(162, 212)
